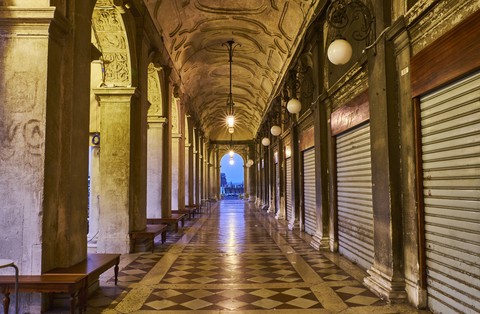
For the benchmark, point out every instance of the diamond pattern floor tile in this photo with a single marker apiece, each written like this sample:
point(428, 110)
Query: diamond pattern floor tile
point(230, 269)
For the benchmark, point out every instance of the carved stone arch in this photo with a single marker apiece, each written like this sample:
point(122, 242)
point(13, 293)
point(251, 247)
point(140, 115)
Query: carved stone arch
point(224, 149)
point(155, 91)
point(112, 41)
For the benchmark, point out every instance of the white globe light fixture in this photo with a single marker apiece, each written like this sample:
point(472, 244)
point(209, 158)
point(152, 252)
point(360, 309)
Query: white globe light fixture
point(265, 141)
point(276, 130)
point(231, 153)
point(339, 52)
point(231, 162)
point(294, 105)
point(230, 130)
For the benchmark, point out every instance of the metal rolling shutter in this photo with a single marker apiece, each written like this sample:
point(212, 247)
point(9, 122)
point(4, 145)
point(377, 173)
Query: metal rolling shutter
point(354, 183)
point(450, 121)
point(277, 188)
point(288, 187)
point(309, 193)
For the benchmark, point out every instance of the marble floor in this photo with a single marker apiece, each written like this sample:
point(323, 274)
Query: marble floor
point(240, 260)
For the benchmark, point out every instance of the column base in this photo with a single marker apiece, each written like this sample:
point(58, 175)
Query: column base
point(280, 215)
point(271, 207)
point(319, 242)
point(416, 295)
point(291, 224)
point(387, 288)
point(113, 245)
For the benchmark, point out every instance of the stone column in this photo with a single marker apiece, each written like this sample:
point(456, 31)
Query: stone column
point(386, 274)
point(115, 173)
point(281, 180)
point(201, 165)
point(196, 165)
point(24, 53)
point(188, 174)
point(252, 174)
point(322, 135)
point(177, 177)
point(94, 193)
point(156, 129)
point(294, 222)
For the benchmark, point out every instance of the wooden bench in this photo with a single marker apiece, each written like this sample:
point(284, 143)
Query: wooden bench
point(92, 267)
point(150, 232)
point(173, 219)
point(189, 212)
point(193, 208)
point(73, 284)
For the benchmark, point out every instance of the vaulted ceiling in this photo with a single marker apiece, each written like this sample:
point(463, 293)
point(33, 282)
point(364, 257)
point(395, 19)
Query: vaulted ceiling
point(268, 32)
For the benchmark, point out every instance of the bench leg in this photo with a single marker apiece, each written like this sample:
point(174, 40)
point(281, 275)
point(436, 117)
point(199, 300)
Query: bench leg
point(6, 301)
point(164, 236)
point(115, 269)
point(73, 304)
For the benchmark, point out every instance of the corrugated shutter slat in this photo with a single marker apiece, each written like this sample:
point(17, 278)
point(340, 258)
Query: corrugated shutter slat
point(354, 194)
point(288, 187)
point(309, 192)
point(450, 121)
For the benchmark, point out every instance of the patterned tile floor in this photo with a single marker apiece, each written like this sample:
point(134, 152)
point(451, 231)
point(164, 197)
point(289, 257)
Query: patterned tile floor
point(236, 259)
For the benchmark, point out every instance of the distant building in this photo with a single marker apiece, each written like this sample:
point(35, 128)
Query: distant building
point(223, 179)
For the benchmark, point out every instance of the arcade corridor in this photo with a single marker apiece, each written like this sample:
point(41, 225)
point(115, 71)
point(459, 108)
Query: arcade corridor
point(237, 258)
point(357, 125)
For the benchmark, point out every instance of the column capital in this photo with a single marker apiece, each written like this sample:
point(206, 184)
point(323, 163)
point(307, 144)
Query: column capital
point(28, 20)
point(115, 94)
point(177, 135)
point(157, 120)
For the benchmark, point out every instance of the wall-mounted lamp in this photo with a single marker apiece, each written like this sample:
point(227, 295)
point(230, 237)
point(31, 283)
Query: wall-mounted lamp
point(341, 15)
point(265, 141)
point(276, 130)
point(293, 105)
point(339, 52)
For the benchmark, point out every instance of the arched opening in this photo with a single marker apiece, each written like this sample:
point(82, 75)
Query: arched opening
point(110, 67)
point(232, 174)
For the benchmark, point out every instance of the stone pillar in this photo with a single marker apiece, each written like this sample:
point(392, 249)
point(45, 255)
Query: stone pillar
point(188, 174)
point(155, 135)
point(414, 284)
point(177, 177)
point(294, 222)
point(322, 135)
point(281, 182)
point(200, 169)
point(24, 53)
point(115, 169)
point(386, 274)
point(196, 166)
point(94, 196)
point(252, 174)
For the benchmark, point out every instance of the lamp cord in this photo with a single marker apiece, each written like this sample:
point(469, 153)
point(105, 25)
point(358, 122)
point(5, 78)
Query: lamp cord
point(376, 40)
